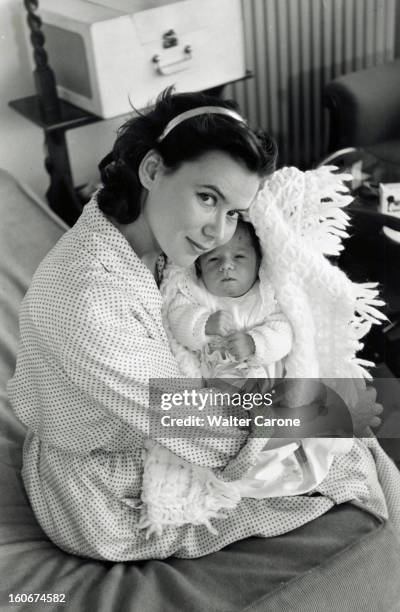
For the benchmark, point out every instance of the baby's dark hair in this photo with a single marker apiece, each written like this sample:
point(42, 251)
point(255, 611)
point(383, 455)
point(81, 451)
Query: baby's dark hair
point(249, 228)
point(120, 194)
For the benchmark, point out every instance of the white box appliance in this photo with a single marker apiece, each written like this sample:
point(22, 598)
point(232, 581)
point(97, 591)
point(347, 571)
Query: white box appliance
point(108, 55)
point(390, 205)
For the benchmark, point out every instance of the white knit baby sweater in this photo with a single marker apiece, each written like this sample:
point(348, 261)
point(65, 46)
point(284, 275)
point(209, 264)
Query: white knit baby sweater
point(188, 312)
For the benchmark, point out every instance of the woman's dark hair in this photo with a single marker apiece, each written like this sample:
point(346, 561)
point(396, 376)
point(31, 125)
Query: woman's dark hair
point(119, 196)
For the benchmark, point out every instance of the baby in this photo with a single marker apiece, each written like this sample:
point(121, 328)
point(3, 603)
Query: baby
point(235, 332)
point(222, 317)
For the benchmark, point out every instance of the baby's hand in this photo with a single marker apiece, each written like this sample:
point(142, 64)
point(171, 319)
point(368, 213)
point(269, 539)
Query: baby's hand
point(219, 323)
point(240, 345)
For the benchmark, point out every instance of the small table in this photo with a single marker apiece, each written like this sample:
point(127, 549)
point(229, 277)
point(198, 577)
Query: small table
point(61, 194)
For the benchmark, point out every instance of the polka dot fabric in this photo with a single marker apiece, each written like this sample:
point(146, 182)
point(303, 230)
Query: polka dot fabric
point(91, 339)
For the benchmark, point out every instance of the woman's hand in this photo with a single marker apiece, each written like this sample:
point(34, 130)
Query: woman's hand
point(365, 413)
point(219, 323)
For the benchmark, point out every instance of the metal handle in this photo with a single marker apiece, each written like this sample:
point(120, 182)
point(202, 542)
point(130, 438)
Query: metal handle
point(171, 67)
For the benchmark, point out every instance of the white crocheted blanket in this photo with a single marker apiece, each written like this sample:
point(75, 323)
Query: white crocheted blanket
point(299, 220)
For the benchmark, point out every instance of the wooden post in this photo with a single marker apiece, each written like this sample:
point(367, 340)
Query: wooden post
point(45, 82)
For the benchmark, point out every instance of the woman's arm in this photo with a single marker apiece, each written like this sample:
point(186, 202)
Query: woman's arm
point(112, 359)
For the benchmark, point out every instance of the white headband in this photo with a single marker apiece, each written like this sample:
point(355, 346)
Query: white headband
point(194, 112)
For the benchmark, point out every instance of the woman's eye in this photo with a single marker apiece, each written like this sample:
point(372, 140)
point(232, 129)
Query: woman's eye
point(233, 214)
point(208, 199)
point(239, 256)
point(212, 260)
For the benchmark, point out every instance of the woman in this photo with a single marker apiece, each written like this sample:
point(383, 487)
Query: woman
point(92, 338)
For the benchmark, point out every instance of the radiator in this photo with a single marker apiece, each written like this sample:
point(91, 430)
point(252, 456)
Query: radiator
point(294, 48)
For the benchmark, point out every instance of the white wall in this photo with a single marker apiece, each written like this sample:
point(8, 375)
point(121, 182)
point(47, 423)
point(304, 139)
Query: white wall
point(21, 142)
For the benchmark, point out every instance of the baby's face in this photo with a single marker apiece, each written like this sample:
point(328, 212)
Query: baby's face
point(231, 269)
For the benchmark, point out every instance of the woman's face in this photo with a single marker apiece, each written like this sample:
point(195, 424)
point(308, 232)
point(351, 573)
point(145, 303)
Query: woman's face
point(194, 209)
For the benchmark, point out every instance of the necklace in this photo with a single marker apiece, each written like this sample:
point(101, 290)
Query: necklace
point(159, 269)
